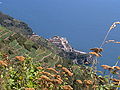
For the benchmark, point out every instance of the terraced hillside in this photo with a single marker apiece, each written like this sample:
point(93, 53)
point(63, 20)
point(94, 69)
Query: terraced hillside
point(21, 27)
point(15, 44)
point(35, 42)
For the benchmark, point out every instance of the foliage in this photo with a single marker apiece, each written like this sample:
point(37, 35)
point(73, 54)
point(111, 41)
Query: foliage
point(22, 73)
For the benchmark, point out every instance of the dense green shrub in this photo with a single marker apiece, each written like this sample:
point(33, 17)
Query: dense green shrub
point(35, 46)
point(27, 46)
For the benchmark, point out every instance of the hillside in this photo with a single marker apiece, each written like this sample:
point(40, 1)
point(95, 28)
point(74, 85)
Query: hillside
point(15, 44)
point(22, 29)
point(31, 62)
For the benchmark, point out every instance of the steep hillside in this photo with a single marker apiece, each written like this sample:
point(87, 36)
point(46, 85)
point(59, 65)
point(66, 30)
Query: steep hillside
point(22, 28)
point(14, 25)
point(24, 32)
point(15, 44)
point(31, 62)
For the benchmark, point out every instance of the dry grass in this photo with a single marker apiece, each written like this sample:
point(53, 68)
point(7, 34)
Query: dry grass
point(29, 76)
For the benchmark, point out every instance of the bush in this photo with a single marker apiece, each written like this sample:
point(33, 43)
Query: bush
point(23, 73)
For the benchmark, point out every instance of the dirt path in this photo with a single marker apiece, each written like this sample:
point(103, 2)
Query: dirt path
point(41, 53)
point(56, 61)
point(4, 34)
point(8, 36)
point(54, 56)
point(46, 56)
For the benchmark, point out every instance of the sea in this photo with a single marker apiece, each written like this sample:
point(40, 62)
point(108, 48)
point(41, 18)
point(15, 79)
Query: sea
point(83, 22)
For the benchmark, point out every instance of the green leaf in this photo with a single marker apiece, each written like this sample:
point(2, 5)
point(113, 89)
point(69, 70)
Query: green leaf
point(106, 76)
point(118, 57)
point(101, 88)
point(116, 86)
point(100, 72)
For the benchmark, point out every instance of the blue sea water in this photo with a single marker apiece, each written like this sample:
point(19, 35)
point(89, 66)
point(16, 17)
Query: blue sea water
point(83, 22)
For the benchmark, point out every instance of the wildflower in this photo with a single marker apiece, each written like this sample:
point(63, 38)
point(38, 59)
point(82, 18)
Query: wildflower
point(5, 55)
point(57, 76)
point(95, 86)
point(67, 71)
point(47, 73)
point(94, 53)
point(117, 42)
point(52, 69)
point(43, 77)
point(105, 66)
point(44, 89)
point(117, 22)
point(113, 26)
point(29, 89)
point(59, 65)
point(60, 79)
point(67, 87)
point(97, 50)
point(117, 67)
point(115, 80)
point(88, 82)
point(20, 58)
point(63, 73)
point(57, 81)
point(40, 68)
point(110, 68)
point(110, 41)
point(87, 63)
point(115, 83)
point(79, 81)
point(3, 63)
